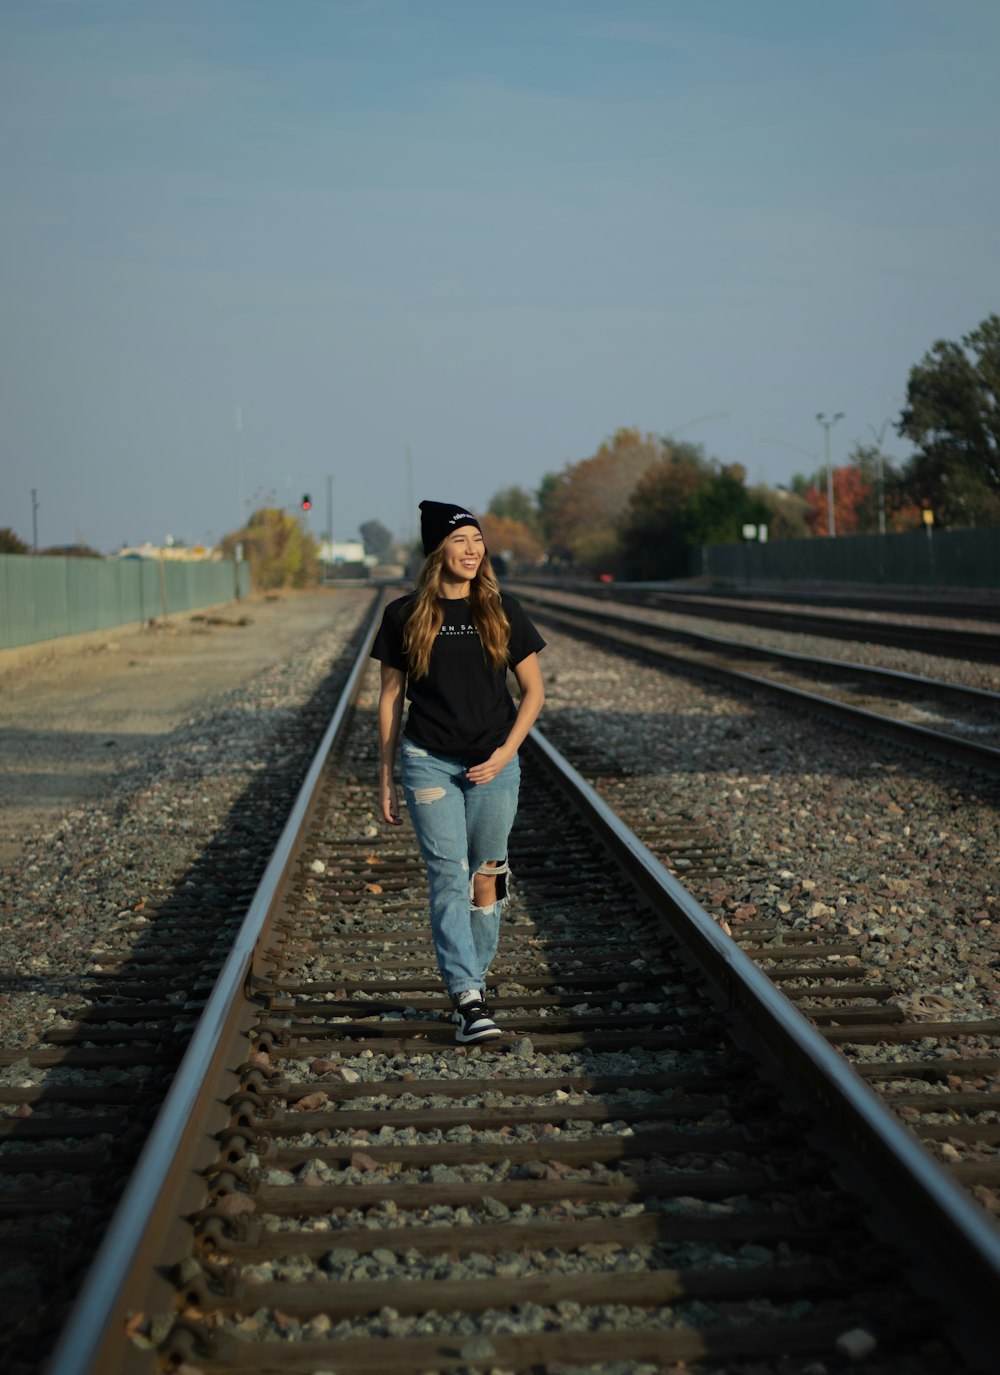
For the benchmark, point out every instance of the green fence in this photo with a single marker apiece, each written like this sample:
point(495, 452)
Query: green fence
point(45, 597)
point(941, 558)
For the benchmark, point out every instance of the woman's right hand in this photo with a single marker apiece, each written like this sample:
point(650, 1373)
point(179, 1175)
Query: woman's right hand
point(390, 805)
point(390, 713)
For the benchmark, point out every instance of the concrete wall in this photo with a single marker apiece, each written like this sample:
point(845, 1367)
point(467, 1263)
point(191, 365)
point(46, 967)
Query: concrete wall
point(45, 598)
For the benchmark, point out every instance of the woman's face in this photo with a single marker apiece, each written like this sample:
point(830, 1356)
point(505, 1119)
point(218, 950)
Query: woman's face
point(463, 553)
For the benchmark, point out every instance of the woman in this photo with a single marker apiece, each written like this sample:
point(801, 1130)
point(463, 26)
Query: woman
point(448, 647)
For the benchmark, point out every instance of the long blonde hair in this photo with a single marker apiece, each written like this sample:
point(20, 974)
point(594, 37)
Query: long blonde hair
point(425, 619)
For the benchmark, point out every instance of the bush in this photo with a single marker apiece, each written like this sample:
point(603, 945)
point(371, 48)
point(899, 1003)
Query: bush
point(279, 551)
point(11, 543)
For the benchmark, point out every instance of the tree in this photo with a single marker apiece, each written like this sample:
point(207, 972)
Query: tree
point(11, 543)
point(546, 500)
point(72, 551)
point(875, 470)
point(585, 502)
point(279, 551)
point(718, 511)
point(377, 539)
point(654, 534)
point(901, 512)
point(513, 540)
point(514, 503)
point(852, 492)
point(685, 500)
point(952, 415)
point(786, 511)
point(855, 498)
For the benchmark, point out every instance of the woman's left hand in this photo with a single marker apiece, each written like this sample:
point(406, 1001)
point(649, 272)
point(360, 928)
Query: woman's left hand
point(489, 768)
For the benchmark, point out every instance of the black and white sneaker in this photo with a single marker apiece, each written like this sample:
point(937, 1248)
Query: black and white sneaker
point(472, 1021)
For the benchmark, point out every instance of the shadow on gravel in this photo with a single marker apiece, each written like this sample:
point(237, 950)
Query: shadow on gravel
point(115, 1063)
point(37, 758)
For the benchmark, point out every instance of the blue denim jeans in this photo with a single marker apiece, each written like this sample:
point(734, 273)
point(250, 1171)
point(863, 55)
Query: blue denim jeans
point(460, 826)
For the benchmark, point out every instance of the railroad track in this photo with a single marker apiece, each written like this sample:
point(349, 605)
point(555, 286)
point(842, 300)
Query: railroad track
point(938, 1069)
point(930, 634)
point(978, 604)
point(894, 705)
point(661, 1162)
point(78, 1103)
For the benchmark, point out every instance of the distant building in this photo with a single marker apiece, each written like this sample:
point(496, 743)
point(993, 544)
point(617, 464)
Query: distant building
point(345, 551)
point(184, 553)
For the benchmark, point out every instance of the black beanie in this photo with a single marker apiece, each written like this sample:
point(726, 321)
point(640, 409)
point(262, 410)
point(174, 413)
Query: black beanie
point(440, 518)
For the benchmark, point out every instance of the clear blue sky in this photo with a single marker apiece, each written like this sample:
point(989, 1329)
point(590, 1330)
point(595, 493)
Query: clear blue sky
point(490, 233)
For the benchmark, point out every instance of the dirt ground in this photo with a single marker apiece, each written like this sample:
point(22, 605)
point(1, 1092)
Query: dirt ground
point(67, 718)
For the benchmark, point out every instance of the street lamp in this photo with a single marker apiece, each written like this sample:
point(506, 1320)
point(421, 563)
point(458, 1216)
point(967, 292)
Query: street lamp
point(827, 427)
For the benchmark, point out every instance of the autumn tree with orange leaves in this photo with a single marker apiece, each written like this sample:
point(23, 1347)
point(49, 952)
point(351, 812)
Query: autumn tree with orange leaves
point(583, 505)
point(512, 540)
point(855, 497)
point(851, 491)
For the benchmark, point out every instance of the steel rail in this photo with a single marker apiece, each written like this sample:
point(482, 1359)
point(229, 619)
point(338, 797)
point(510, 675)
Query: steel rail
point(966, 1244)
point(163, 1168)
point(967, 1247)
point(951, 748)
point(984, 603)
point(961, 644)
point(928, 603)
point(624, 615)
point(931, 638)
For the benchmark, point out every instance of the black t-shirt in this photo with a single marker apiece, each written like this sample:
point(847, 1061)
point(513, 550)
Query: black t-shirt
point(462, 707)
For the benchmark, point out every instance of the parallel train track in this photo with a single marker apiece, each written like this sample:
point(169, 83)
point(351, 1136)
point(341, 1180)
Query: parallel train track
point(651, 1168)
point(924, 628)
point(948, 1085)
point(885, 702)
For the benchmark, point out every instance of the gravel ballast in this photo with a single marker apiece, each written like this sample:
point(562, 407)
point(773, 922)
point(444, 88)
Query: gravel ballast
point(827, 831)
point(866, 840)
point(191, 715)
point(831, 831)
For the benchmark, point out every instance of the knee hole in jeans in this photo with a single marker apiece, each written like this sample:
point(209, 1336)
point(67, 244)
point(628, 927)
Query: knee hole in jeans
point(496, 869)
point(424, 795)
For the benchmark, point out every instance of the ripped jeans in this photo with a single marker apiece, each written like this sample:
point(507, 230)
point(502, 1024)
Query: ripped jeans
point(461, 827)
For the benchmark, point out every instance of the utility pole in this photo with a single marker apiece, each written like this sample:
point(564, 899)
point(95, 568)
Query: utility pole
point(827, 426)
point(329, 523)
point(409, 500)
point(879, 436)
point(34, 521)
point(238, 430)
